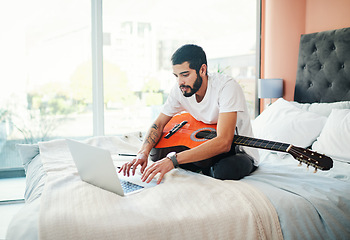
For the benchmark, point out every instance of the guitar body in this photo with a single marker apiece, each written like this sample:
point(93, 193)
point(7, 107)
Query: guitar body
point(187, 135)
point(191, 135)
point(184, 132)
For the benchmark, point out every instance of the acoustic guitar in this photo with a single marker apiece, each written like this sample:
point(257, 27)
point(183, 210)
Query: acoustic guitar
point(184, 132)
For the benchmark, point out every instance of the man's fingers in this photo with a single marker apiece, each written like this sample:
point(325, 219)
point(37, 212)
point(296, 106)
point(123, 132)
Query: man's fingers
point(160, 177)
point(135, 165)
point(147, 172)
point(128, 166)
point(122, 169)
point(152, 171)
point(151, 176)
point(128, 169)
point(143, 167)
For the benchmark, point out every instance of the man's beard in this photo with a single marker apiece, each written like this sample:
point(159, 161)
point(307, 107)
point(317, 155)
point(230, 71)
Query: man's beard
point(196, 86)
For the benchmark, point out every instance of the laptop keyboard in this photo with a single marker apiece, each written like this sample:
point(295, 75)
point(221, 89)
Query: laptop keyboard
point(129, 187)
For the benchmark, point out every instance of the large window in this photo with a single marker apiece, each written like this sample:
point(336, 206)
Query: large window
point(46, 62)
point(140, 37)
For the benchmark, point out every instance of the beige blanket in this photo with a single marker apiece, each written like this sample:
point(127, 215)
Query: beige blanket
point(185, 206)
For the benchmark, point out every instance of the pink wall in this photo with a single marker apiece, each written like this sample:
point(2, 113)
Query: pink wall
point(322, 15)
point(283, 23)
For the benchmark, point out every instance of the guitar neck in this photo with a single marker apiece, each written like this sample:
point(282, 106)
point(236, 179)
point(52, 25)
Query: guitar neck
point(260, 143)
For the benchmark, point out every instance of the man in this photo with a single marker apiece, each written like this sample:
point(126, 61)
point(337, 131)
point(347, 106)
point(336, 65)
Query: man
point(212, 99)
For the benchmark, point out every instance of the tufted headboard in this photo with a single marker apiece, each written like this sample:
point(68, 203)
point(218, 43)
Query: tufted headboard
point(323, 73)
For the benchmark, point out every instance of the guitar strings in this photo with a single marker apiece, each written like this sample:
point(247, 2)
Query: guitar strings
point(281, 147)
point(271, 145)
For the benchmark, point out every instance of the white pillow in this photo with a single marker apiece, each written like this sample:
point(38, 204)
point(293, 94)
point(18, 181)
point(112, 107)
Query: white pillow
point(304, 106)
point(334, 139)
point(322, 108)
point(283, 122)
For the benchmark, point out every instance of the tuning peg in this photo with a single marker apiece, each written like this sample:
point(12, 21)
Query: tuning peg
point(299, 164)
point(307, 166)
point(315, 170)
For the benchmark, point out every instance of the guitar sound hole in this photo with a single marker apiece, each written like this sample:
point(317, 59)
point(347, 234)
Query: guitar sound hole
point(207, 134)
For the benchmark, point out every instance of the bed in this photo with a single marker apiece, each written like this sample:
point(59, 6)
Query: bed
point(280, 200)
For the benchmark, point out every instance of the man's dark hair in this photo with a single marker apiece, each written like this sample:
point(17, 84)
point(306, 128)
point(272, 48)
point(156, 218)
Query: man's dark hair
point(192, 54)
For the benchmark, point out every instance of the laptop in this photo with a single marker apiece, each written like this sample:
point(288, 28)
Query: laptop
point(95, 166)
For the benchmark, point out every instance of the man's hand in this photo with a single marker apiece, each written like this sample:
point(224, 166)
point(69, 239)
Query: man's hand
point(152, 137)
point(141, 159)
point(162, 166)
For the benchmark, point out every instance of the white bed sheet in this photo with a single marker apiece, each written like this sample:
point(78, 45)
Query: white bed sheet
point(185, 206)
point(309, 205)
point(279, 178)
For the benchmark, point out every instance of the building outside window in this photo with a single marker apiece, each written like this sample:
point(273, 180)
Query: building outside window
point(144, 34)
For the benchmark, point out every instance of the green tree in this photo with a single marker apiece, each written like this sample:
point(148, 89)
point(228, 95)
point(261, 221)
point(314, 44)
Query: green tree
point(115, 84)
point(153, 96)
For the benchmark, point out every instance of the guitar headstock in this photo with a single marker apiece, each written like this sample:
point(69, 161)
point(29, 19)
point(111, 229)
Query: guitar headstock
point(311, 158)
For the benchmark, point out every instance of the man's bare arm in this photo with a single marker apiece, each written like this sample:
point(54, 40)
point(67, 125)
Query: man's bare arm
point(152, 137)
point(154, 133)
point(222, 143)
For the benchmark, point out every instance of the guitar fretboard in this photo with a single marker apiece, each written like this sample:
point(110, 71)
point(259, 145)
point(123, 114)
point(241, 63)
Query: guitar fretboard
point(260, 143)
point(251, 142)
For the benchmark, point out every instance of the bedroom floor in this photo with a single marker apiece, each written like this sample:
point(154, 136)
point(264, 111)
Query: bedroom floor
point(11, 201)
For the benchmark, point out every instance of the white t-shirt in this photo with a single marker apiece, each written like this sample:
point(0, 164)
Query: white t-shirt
point(223, 94)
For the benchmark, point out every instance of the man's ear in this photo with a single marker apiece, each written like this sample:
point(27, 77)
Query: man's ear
point(203, 70)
